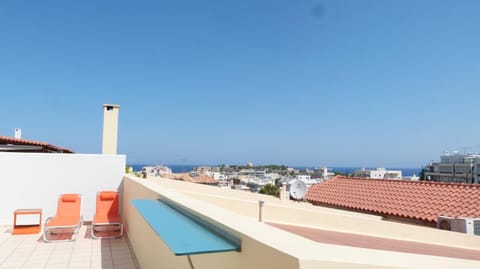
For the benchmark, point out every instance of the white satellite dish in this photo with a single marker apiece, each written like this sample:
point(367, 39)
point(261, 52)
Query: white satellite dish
point(298, 189)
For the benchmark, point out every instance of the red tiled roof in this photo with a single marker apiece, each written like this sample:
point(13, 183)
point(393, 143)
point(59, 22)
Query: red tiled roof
point(419, 200)
point(201, 179)
point(25, 142)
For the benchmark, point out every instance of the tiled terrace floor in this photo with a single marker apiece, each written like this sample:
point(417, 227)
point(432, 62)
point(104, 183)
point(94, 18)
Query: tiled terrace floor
point(29, 251)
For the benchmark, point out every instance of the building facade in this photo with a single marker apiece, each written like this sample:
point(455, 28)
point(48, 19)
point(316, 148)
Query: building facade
point(454, 167)
point(379, 173)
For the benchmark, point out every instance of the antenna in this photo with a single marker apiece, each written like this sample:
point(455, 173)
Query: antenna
point(298, 189)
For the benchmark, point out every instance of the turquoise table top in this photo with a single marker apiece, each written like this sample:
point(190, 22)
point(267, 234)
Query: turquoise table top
point(184, 233)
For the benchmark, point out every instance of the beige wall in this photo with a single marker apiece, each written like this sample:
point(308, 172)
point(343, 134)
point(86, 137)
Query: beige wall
point(262, 245)
point(153, 253)
point(341, 222)
point(303, 214)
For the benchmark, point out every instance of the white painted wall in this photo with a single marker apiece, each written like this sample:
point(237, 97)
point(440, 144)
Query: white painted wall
point(35, 180)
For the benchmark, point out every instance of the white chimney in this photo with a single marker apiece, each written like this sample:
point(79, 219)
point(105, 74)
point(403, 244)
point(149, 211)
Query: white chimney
point(110, 129)
point(18, 133)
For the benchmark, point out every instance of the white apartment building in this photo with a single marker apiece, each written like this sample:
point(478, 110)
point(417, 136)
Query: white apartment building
point(307, 180)
point(379, 173)
point(454, 167)
point(322, 173)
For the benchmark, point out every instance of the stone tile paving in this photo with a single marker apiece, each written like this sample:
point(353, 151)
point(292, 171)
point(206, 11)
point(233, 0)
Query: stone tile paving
point(30, 252)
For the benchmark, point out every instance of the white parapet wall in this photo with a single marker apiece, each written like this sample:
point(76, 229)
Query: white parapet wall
point(35, 180)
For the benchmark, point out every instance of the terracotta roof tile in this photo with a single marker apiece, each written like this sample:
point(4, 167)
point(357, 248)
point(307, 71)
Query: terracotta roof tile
point(418, 200)
point(46, 146)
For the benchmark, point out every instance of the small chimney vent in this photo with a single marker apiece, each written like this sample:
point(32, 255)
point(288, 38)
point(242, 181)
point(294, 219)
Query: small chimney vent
point(18, 133)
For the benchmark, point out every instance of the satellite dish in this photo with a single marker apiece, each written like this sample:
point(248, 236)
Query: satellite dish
point(298, 189)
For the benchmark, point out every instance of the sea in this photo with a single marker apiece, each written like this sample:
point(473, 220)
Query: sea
point(181, 168)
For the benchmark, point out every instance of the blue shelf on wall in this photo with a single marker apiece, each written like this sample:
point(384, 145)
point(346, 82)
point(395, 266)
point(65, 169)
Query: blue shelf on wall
point(183, 232)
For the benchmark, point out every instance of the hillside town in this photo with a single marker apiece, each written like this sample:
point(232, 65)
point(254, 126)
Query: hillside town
point(264, 178)
point(248, 177)
point(453, 167)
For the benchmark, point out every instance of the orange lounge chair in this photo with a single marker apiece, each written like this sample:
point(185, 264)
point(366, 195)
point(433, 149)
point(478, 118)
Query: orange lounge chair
point(67, 222)
point(107, 219)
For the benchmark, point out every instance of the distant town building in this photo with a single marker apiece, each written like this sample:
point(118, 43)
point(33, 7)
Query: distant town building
point(218, 176)
point(322, 173)
point(379, 173)
point(454, 167)
point(303, 177)
point(158, 170)
point(414, 177)
point(306, 179)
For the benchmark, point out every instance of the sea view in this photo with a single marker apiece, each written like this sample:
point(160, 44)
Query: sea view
point(181, 168)
point(240, 134)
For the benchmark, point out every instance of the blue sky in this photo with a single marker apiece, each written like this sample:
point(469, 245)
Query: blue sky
point(297, 82)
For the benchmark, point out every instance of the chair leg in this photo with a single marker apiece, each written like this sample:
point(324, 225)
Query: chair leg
point(120, 228)
point(49, 231)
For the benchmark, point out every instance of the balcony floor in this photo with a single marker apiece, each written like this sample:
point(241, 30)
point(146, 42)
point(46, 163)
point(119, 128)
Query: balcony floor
point(29, 251)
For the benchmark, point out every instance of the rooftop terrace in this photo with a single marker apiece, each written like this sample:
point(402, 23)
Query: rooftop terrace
point(314, 236)
point(294, 235)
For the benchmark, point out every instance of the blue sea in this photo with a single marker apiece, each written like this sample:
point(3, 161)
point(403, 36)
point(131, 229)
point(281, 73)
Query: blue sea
point(181, 168)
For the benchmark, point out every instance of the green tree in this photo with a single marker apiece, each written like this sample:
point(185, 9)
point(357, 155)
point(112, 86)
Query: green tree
point(128, 169)
point(269, 189)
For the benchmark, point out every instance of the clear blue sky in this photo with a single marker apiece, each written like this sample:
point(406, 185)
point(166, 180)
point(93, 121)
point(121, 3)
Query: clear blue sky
point(297, 82)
